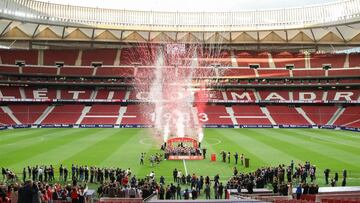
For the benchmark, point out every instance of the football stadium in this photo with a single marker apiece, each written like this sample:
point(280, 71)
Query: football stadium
point(179, 101)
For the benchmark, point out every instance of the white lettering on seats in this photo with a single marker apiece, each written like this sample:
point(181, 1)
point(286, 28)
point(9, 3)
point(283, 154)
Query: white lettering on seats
point(345, 95)
point(76, 94)
point(40, 94)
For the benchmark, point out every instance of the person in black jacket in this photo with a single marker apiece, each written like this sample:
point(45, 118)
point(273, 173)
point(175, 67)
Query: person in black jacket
point(26, 193)
point(326, 173)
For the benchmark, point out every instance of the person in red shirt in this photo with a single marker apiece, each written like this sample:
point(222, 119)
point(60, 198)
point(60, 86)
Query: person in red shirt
point(125, 181)
point(49, 193)
point(74, 195)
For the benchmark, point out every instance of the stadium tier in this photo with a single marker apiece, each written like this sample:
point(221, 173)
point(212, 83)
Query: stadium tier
point(203, 58)
point(304, 115)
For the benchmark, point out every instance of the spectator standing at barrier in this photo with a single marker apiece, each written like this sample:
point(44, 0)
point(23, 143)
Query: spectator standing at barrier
point(86, 173)
point(288, 174)
point(66, 172)
point(74, 195)
point(161, 192)
point(336, 178)
point(333, 183)
point(207, 191)
point(178, 192)
point(3, 172)
point(220, 190)
point(92, 174)
point(326, 173)
point(344, 178)
point(24, 175)
point(61, 172)
point(235, 171)
point(312, 174)
point(193, 194)
point(179, 176)
point(298, 191)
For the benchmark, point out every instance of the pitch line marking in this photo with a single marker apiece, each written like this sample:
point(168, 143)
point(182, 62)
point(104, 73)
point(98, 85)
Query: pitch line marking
point(216, 143)
point(186, 172)
point(142, 141)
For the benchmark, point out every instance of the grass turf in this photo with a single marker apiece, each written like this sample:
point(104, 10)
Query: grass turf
point(336, 150)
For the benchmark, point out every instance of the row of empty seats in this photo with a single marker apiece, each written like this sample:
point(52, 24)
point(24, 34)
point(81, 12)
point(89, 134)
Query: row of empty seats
point(149, 72)
point(249, 114)
point(147, 55)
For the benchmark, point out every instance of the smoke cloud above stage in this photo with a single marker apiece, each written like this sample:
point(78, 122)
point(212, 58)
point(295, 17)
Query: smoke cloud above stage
point(171, 98)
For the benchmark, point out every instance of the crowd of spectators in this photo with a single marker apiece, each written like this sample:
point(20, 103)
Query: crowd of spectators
point(281, 178)
point(115, 182)
point(41, 192)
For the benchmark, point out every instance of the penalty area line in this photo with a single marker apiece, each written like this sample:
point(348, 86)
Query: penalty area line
point(186, 172)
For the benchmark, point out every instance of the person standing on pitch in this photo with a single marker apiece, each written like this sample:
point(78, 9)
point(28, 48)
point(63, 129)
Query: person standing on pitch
point(175, 173)
point(236, 156)
point(204, 153)
point(326, 173)
point(344, 178)
point(142, 159)
point(228, 157)
point(24, 175)
point(242, 159)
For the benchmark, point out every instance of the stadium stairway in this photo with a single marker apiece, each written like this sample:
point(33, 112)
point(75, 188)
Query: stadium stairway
point(8, 111)
point(47, 111)
point(271, 61)
point(93, 94)
point(95, 71)
point(122, 111)
point(83, 114)
point(336, 115)
point(22, 93)
point(233, 59)
point(78, 61)
point(347, 63)
point(117, 58)
point(230, 111)
point(307, 60)
point(41, 57)
point(302, 112)
point(267, 113)
point(58, 94)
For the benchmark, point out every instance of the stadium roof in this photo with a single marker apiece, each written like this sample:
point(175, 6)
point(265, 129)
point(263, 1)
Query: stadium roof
point(335, 23)
point(191, 5)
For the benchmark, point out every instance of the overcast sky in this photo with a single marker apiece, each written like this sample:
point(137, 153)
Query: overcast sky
point(191, 5)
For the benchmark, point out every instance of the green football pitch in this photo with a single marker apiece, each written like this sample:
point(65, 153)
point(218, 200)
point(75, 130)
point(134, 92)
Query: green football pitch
point(336, 150)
